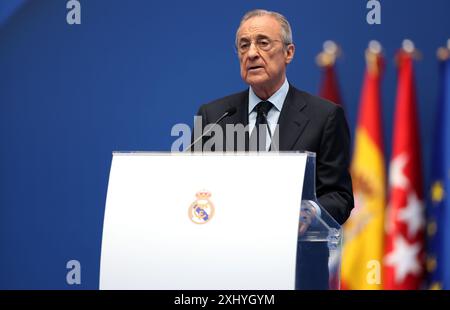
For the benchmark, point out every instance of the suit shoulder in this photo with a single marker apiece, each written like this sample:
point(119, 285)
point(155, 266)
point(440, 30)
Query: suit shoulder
point(224, 102)
point(319, 103)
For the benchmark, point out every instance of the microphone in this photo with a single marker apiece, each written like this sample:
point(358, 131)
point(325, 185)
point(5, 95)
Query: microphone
point(229, 112)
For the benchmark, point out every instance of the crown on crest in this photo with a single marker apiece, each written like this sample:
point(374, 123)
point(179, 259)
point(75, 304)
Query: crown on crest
point(203, 194)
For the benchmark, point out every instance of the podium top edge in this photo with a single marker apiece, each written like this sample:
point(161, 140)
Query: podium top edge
point(159, 153)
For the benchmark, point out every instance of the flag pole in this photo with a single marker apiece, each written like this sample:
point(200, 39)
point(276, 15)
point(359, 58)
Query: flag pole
point(328, 56)
point(443, 53)
point(373, 55)
point(409, 48)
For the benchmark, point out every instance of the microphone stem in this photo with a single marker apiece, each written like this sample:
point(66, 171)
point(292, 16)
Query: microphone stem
point(206, 132)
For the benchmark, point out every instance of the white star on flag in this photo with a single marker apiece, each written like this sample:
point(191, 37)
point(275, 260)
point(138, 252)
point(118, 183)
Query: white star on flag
point(412, 215)
point(397, 177)
point(404, 259)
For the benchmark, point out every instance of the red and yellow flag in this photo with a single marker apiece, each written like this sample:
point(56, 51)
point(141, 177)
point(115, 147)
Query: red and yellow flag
point(364, 231)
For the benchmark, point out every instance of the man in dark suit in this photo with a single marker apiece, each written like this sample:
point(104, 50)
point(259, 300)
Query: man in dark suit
point(306, 123)
point(300, 121)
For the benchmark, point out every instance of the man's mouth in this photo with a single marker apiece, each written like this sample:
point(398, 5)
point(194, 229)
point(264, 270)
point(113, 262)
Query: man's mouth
point(251, 68)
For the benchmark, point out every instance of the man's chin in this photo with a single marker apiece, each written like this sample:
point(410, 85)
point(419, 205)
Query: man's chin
point(256, 82)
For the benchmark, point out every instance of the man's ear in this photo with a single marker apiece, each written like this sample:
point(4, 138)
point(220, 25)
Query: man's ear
point(290, 51)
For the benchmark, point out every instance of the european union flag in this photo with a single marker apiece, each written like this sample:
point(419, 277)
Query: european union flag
point(438, 208)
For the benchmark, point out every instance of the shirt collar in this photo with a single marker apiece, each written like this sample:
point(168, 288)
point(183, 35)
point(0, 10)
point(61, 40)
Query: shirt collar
point(276, 99)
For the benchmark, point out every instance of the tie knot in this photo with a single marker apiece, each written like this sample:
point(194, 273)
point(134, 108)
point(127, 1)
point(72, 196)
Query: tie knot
point(264, 107)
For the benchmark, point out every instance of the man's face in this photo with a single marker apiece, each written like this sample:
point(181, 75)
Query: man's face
point(259, 68)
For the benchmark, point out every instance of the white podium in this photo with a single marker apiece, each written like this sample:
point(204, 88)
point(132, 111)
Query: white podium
point(203, 221)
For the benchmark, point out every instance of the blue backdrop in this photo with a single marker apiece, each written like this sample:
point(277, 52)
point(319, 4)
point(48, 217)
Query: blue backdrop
point(70, 95)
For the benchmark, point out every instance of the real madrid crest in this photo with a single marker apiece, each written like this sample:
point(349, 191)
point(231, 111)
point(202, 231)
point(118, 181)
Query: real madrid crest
point(201, 210)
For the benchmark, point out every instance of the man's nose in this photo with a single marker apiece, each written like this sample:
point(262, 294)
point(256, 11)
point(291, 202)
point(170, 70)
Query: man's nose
point(253, 51)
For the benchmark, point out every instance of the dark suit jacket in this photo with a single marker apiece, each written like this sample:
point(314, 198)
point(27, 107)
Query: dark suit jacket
point(306, 123)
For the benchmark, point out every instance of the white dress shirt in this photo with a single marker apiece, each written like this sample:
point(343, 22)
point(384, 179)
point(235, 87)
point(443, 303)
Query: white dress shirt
point(277, 99)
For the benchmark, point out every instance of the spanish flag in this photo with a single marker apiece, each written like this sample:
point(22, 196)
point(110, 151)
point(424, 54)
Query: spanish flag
point(363, 232)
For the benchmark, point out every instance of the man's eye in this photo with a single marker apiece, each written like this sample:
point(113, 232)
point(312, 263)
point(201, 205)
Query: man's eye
point(244, 45)
point(263, 43)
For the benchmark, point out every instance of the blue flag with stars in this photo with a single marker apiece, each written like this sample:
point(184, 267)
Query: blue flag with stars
point(438, 208)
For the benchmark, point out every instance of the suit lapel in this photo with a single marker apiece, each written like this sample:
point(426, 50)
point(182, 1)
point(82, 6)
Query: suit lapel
point(292, 121)
point(241, 115)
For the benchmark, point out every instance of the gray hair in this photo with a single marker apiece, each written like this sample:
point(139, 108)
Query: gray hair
point(286, 32)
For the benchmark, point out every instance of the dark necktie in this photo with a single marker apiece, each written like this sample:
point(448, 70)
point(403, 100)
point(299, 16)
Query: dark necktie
point(262, 110)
